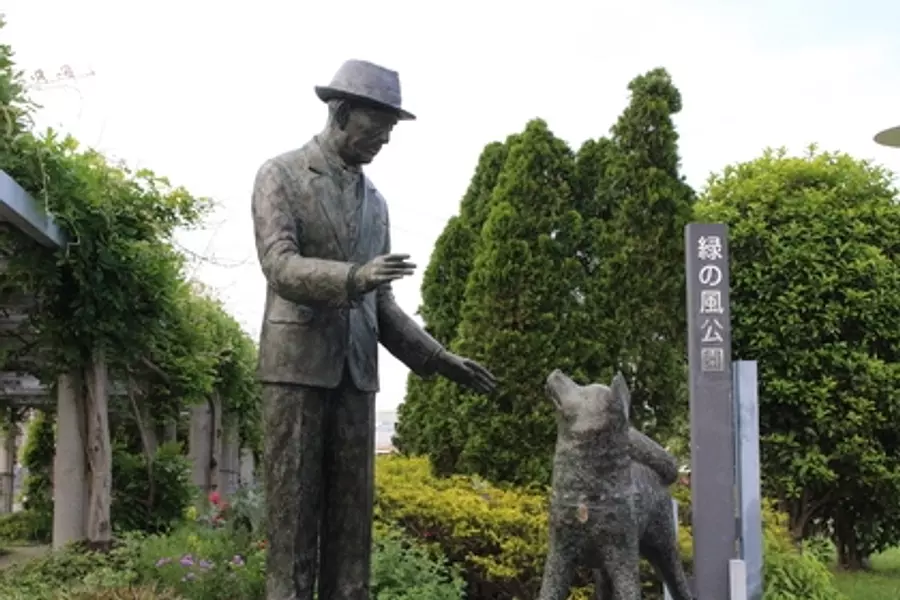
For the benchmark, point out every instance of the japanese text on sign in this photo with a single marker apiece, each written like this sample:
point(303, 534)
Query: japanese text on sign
point(712, 353)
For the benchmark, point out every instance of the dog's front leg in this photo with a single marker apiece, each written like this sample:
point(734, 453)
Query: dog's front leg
point(559, 568)
point(623, 570)
point(602, 591)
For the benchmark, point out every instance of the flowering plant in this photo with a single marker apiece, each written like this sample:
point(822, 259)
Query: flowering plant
point(218, 513)
point(209, 563)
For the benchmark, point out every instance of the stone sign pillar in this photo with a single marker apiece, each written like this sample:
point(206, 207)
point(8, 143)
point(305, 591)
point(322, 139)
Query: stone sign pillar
point(713, 478)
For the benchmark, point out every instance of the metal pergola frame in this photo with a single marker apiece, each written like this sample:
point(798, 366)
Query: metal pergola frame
point(24, 213)
point(21, 210)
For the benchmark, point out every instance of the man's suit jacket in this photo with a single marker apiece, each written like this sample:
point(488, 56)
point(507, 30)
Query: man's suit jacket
point(314, 324)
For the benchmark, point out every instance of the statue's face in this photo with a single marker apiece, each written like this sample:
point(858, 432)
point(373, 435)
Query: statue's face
point(366, 131)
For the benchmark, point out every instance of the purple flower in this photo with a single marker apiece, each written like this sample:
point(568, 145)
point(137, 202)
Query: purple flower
point(187, 561)
point(163, 562)
point(238, 560)
point(205, 564)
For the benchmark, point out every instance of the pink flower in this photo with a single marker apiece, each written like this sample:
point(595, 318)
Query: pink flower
point(215, 498)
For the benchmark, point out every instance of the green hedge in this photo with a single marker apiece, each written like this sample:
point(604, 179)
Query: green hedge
point(498, 536)
point(25, 526)
point(150, 496)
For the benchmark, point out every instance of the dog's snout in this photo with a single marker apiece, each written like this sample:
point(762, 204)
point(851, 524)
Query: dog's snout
point(559, 379)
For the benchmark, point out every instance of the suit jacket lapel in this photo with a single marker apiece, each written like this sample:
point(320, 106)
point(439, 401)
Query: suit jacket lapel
point(328, 198)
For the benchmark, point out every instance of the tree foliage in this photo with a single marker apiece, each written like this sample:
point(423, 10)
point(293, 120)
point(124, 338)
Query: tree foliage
point(523, 311)
point(119, 284)
point(424, 422)
point(635, 205)
point(566, 261)
point(37, 460)
point(815, 243)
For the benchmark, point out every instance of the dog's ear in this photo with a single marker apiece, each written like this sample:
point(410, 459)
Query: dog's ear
point(620, 391)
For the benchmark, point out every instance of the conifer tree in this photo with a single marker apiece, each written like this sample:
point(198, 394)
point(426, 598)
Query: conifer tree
point(424, 423)
point(592, 162)
point(522, 316)
point(444, 281)
point(638, 289)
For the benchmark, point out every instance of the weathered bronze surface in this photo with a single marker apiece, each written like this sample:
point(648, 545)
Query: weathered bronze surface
point(323, 241)
point(610, 503)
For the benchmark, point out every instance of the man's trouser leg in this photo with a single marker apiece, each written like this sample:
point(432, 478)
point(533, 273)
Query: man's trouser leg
point(346, 534)
point(292, 467)
point(319, 446)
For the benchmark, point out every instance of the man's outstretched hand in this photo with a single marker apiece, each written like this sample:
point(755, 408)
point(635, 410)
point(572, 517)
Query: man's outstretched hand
point(465, 372)
point(382, 269)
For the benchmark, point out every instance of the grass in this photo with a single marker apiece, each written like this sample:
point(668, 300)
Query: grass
point(881, 583)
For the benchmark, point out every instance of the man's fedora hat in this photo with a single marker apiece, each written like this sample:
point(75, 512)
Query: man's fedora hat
point(371, 83)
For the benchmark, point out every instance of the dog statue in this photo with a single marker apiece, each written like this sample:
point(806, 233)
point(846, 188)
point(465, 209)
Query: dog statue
point(610, 504)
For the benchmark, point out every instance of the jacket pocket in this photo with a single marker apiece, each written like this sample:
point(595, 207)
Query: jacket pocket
point(286, 312)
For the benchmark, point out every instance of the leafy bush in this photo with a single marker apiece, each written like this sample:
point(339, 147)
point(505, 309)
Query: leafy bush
point(221, 559)
point(243, 514)
point(796, 576)
point(404, 571)
point(791, 574)
point(44, 578)
point(124, 593)
point(150, 496)
point(24, 526)
point(37, 487)
point(821, 548)
point(498, 536)
point(121, 593)
point(145, 497)
point(814, 281)
point(203, 564)
point(193, 563)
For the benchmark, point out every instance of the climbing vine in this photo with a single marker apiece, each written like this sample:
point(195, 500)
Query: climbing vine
point(118, 284)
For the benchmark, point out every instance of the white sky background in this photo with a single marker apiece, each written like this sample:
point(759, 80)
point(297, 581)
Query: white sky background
point(203, 93)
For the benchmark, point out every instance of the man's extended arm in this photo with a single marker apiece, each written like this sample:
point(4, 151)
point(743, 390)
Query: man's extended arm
point(400, 334)
point(294, 277)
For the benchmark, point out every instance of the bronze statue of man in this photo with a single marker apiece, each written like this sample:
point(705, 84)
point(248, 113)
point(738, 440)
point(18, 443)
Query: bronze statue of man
point(323, 240)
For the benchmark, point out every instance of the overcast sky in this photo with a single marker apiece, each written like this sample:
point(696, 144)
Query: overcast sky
point(204, 92)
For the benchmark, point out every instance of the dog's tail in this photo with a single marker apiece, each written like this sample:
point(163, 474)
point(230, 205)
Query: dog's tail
point(647, 452)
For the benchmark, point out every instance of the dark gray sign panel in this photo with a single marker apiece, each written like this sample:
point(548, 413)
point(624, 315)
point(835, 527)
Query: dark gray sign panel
point(713, 476)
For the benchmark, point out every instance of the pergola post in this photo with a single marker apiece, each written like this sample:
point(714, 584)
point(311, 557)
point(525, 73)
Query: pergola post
point(70, 486)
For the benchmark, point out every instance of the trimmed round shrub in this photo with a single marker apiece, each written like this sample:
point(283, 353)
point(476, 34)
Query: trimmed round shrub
point(497, 536)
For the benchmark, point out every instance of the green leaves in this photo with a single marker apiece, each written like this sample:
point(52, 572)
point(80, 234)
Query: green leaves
point(558, 260)
point(119, 283)
point(425, 419)
point(520, 316)
point(815, 282)
point(636, 206)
